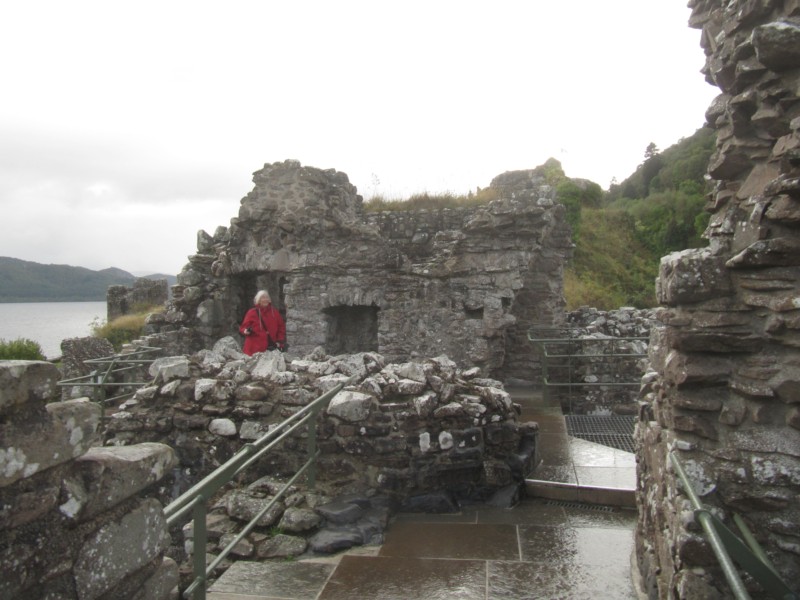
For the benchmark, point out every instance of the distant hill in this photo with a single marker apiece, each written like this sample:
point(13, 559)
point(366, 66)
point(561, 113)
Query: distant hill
point(25, 281)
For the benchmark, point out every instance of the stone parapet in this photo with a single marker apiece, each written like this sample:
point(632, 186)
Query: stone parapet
point(75, 519)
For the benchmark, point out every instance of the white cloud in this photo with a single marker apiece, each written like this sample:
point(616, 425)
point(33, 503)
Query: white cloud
point(124, 123)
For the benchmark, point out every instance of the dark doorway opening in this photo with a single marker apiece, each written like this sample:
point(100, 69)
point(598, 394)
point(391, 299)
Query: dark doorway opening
point(244, 287)
point(351, 329)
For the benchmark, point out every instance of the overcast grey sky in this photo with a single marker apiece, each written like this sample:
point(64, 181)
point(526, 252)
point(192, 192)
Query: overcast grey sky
point(125, 127)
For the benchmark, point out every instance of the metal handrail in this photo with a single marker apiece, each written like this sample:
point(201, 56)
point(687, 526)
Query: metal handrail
point(727, 548)
point(98, 378)
point(570, 337)
point(197, 497)
point(592, 384)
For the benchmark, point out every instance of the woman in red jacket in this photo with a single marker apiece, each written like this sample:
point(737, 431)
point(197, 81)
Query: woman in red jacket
point(263, 326)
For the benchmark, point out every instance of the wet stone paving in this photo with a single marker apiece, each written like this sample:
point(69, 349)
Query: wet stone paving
point(570, 539)
point(539, 549)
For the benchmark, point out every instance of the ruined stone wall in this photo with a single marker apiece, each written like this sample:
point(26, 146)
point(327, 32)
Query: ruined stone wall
point(76, 520)
point(725, 389)
point(462, 282)
point(396, 429)
point(123, 299)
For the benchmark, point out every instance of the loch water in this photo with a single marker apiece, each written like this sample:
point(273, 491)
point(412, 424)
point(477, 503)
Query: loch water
point(48, 323)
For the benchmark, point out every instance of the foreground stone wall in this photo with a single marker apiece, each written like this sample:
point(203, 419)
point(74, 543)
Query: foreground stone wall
point(397, 429)
point(465, 282)
point(74, 519)
point(725, 388)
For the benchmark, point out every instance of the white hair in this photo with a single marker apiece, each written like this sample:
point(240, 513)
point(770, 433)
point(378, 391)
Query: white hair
point(261, 294)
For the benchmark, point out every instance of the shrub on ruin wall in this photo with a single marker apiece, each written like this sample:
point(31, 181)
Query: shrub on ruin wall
point(20, 349)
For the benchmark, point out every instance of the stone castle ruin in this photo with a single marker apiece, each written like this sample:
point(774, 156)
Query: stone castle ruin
point(369, 298)
point(463, 282)
point(123, 299)
point(725, 388)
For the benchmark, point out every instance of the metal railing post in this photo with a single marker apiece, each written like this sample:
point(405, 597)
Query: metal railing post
point(311, 476)
point(199, 540)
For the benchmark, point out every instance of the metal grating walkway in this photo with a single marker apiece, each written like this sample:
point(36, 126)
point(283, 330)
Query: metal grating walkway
point(614, 431)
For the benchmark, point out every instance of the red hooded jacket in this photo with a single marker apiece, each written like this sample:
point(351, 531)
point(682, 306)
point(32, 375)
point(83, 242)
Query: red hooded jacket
point(266, 330)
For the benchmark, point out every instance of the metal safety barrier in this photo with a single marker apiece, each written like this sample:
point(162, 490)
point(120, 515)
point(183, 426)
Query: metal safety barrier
point(565, 353)
point(118, 372)
point(111, 371)
point(196, 499)
point(728, 548)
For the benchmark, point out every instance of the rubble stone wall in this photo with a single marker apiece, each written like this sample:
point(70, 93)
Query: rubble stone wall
point(724, 393)
point(398, 429)
point(122, 299)
point(464, 282)
point(77, 521)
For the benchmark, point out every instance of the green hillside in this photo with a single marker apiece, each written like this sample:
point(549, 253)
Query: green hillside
point(25, 281)
point(620, 239)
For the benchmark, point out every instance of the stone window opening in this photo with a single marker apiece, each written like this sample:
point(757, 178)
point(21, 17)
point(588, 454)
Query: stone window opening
point(351, 329)
point(474, 313)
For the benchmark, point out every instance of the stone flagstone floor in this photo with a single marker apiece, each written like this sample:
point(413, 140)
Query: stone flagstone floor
point(539, 549)
point(566, 543)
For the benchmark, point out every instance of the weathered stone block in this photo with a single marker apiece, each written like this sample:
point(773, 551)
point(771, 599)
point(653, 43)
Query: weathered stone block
point(695, 424)
point(777, 45)
point(70, 429)
point(244, 506)
point(767, 439)
point(793, 418)
point(268, 364)
point(281, 546)
point(106, 557)
point(691, 276)
point(222, 427)
point(350, 406)
point(26, 382)
point(25, 507)
point(774, 252)
point(682, 369)
point(733, 411)
point(715, 340)
point(251, 393)
point(161, 584)
point(704, 399)
point(295, 520)
point(775, 470)
point(168, 368)
point(111, 475)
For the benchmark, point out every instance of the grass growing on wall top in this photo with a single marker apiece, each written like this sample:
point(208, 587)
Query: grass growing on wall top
point(426, 201)
point(126, 328)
